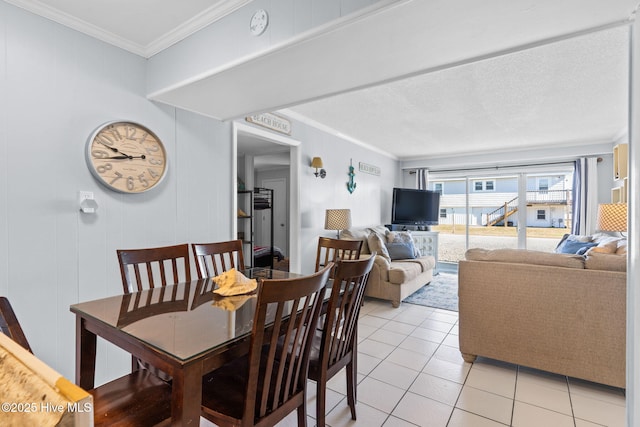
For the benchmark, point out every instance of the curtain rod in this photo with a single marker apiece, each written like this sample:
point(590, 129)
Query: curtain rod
point(413, 172)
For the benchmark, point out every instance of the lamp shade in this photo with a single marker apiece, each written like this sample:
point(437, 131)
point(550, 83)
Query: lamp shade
point(316, 162)
point(337, 219)
point(612, 217)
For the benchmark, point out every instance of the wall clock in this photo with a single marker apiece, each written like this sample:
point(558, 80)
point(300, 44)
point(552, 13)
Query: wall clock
point(259, 22)
point(126, 157)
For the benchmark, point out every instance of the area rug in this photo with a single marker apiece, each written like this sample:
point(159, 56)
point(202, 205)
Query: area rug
point(441, 292)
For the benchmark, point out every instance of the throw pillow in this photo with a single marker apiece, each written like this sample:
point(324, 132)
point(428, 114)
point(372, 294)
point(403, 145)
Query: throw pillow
point(572, 244)
point(403, 237)
point(622, 247)
point(575, 247)
point(401, 250)
point(376, 244)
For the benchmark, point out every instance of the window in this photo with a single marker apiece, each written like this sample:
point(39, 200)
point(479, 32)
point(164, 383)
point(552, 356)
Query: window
point(438, 187)
point(543, 184)
point(484, 185)
point(443, 213)
point(542, 214)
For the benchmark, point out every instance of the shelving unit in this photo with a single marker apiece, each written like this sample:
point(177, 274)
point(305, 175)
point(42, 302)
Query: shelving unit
point(620, 172)
point(249, 203)
point(263, 200)
point(245, 222)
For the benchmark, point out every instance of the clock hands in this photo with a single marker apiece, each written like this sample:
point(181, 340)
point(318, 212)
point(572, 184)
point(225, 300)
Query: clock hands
point(125, 156)
point(122, 155)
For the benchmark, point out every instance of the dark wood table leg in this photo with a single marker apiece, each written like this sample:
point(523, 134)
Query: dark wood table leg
point(186, 396)
point(85, 355)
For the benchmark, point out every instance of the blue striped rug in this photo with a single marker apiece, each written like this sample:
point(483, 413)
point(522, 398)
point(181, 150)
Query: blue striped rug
point(441, 292)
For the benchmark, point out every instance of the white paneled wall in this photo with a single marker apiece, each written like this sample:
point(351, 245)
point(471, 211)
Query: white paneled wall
point(56, 87)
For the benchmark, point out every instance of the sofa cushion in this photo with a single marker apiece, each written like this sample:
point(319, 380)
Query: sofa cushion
point(605, 261)
point(524, 256)
point(377, 244)
point(404, 271)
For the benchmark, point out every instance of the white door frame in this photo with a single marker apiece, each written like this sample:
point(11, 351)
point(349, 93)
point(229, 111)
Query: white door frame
point(295, 263)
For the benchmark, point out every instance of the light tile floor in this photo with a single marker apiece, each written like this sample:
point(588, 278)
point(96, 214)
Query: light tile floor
point(410, 373)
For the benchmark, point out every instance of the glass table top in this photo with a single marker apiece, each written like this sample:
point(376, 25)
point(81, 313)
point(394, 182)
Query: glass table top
point(182, 320)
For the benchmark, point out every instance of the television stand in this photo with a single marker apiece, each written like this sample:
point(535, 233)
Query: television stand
point(407, 227)
point(424, 240)
point(427, 243)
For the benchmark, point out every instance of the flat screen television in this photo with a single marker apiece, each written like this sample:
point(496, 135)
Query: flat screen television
point(415, 207)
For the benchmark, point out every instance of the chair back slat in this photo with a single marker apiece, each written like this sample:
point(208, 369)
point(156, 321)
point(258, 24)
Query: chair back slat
point(332, 250)
point(213, 259)
point(10, 326)
point(163, 266)
point(341, 320)
point(279, 355)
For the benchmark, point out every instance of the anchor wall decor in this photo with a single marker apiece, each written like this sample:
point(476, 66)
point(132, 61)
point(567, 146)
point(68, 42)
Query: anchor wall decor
point(351, 185)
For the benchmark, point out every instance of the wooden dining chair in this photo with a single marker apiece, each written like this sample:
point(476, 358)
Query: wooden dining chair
point(10, 326)
point(331, 250)
point(335, 346)
point(213, 259)
point(270, 382)
point(151, 267)
point(137, 399)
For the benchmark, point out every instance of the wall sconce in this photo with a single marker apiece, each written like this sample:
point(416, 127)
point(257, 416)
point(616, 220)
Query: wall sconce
point(316, 162)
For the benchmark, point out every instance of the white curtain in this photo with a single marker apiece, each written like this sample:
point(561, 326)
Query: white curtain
point(585, 196)
point(422, 179)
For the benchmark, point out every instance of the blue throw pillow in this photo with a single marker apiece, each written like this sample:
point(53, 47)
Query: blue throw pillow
point(401, 250)
point(575, 247)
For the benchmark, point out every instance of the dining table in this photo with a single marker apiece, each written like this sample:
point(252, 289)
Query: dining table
point(185, 330)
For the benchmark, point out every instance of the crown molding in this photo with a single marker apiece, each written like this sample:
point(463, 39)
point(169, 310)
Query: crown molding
point(73, 22)
point(217, 11)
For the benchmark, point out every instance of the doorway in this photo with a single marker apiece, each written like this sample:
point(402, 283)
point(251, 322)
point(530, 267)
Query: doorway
point(264, 159)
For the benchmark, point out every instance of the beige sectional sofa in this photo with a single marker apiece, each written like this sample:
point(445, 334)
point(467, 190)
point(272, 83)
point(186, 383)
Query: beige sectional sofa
point(391, 279)
point(555, 312)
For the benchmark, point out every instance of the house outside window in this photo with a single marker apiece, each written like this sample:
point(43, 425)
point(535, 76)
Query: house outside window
point(542, 214)
point(438, 187)
point(489, 185)
point(443, 213)
point(543, 184)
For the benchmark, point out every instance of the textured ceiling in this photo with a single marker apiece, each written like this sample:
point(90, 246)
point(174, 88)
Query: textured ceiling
point(566, 93)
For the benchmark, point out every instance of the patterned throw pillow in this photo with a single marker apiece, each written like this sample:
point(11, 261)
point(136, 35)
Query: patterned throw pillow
point(403, 237)
point(376, 244)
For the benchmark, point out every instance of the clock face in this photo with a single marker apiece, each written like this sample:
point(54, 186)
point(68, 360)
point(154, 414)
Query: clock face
point(259, 22)
point(126, 157)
